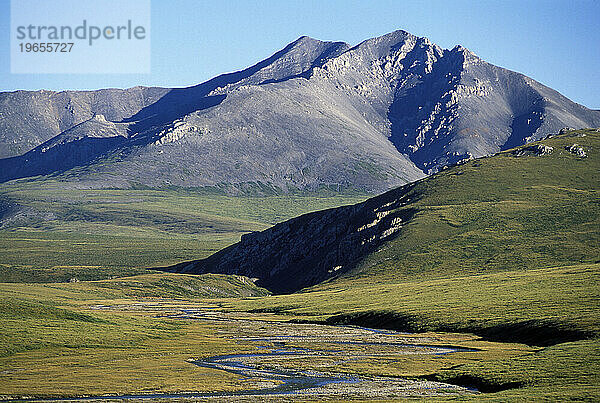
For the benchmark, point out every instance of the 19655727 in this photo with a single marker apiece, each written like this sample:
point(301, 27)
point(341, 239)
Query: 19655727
point(61, 47)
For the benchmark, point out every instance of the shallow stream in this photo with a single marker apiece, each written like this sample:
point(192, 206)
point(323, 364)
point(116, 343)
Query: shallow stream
point(308, 360)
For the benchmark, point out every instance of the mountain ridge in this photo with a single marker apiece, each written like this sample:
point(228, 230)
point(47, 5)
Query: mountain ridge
point(382, 113)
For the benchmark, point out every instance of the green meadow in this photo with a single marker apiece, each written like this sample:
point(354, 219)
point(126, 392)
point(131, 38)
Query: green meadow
point(554, 309)
point(502, 256)
point(49, 233)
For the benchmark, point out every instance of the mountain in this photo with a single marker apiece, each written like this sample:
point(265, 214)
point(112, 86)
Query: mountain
point(386, 112)
point(527, 208)
point(29, 118)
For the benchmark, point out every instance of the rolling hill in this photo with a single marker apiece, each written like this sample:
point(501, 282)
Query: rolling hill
point(527, 208)
point(506, 247)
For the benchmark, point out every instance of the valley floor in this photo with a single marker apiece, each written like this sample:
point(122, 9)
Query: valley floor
point(496, 278)
point(171, 349)
point(51, 233)
point(148, 335)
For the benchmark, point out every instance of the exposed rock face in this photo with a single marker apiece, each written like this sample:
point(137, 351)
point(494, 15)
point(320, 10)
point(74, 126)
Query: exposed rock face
point(311, 248)
point(380, 114)
point(577, 150)
point(538, 149)
point(565, 130)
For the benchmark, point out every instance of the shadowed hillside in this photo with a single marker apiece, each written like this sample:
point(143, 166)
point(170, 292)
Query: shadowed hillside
point(527, 208)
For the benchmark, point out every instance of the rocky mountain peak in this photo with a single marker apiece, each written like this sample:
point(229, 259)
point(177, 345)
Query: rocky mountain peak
point(379, 47)
point(468, 56)
point(385, 112)
point(307, 41)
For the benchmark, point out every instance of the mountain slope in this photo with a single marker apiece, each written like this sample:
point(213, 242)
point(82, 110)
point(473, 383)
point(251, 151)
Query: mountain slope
point(528, 208)
point(380, 114)
point(78, 145)
point(29, 118)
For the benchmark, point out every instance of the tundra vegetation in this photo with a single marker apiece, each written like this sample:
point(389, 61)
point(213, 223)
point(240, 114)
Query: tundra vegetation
point(501, 259)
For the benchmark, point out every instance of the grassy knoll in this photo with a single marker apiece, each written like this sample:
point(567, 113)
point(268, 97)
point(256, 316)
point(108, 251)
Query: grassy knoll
point(49, 233)
point(506, 247)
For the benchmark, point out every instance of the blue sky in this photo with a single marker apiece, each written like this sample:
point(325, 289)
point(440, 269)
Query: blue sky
point(554, 42)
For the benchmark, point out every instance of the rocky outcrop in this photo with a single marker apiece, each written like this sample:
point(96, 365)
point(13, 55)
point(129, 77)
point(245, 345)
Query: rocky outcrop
point(577, 150)
point(537, 150)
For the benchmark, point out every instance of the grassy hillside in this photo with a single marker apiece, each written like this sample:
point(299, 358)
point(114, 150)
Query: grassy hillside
point(498, 305)
point(517, 210)
point(51, 233)
point(500, 213)
point(506, 247)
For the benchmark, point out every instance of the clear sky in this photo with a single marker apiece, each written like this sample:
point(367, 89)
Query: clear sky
point(554, 42)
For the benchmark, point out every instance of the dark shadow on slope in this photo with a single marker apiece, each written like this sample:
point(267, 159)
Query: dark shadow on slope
point(413, 103)
point(177, 103)
point(475, 382)
point(59, 159)
point(314, 247)
point(535, 332)
point(525, 125)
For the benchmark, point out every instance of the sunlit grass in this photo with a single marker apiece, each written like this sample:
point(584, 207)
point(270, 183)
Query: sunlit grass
point(503, 247)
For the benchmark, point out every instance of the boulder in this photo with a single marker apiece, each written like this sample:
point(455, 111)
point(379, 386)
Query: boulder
point(577, 150)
